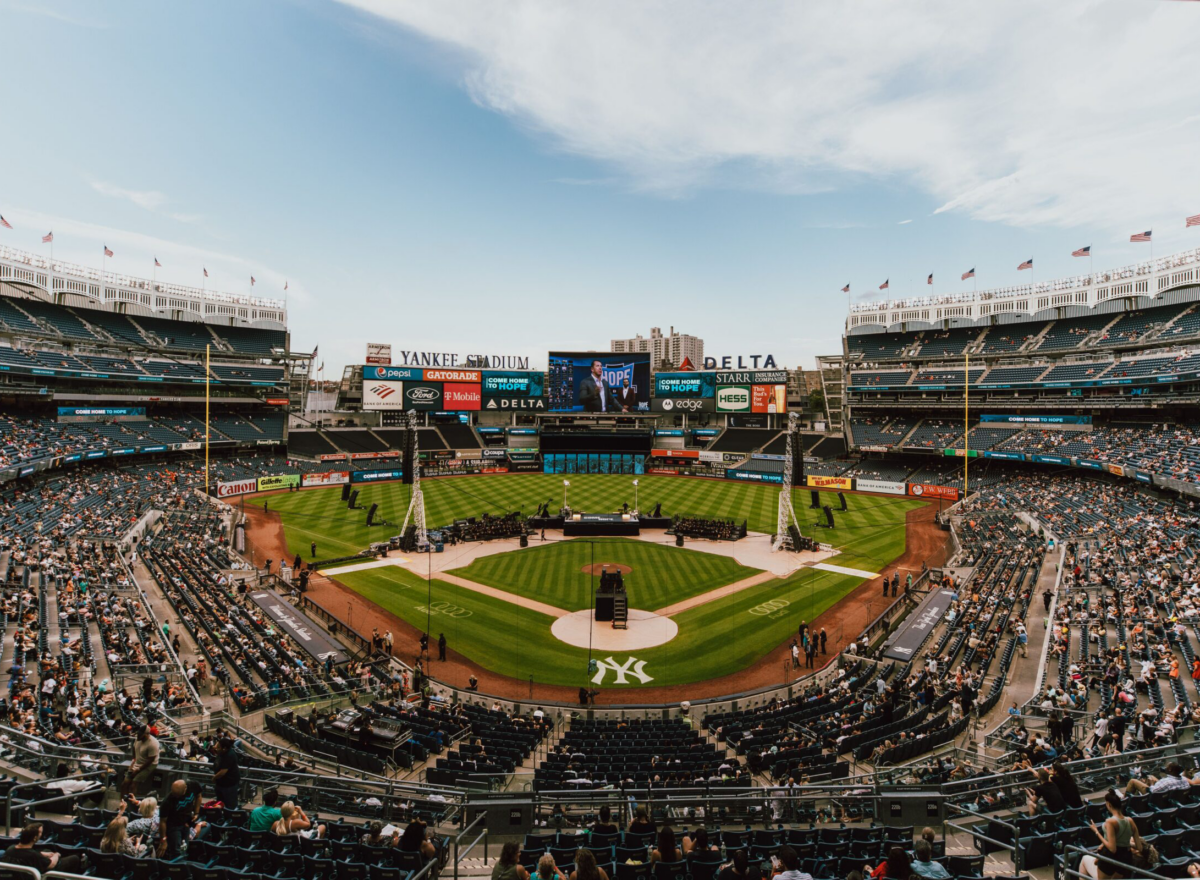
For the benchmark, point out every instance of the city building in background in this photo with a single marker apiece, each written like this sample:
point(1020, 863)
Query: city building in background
point(666, 352)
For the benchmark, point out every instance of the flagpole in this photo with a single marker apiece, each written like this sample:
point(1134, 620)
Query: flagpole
point(966, 418)
point(207, 382)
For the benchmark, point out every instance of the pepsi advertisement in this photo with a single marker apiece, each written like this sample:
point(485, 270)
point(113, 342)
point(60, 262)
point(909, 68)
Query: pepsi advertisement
point(599, 382)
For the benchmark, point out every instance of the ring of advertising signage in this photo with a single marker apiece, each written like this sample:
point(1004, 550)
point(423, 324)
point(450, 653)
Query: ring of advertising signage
point(507, 404)
point(393, 374)
point(278, 481)
point(423, 396)
point(599, 382)
point(816, 482)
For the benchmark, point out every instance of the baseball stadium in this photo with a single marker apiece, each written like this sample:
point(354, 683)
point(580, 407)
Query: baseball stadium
point(924, 605)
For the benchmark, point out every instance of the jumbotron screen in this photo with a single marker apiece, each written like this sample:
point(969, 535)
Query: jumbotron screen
point(598, 382)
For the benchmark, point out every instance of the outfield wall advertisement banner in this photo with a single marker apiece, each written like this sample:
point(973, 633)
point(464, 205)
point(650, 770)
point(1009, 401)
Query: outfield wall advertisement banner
point(883, 487)
point(752, 477)
point(383, 394)
point(393, 374)
point(723, 457)
point(333, 478)
point(375, 476)
point(675, 453)
point(1037, 420)
point(925, 490)
point(278, 481)
point(238, 487)
point(815, 482)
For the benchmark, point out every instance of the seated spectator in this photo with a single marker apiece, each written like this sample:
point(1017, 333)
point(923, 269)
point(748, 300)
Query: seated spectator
point(641, 823)
point(23, 853)
point(547, 870)
point(924, 865)
point(117, 840)
point(604, 824)
point(739, 868)
point(262, 818)
point(895, 867)
point(1173, 781)
point(414, 839)
point(697, 843)
point(586, 867)
point(666, 850)
point(1045, 796)
point(508, 866)
point(374, 836)
point(293, 822)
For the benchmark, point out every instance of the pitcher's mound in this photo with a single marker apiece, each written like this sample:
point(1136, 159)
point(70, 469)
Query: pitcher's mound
point(597, 568)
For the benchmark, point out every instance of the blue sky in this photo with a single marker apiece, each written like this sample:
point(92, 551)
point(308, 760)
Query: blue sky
point(511, 177)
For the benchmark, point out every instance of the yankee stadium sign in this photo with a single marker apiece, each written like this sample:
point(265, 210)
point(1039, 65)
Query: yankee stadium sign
point(450, 359)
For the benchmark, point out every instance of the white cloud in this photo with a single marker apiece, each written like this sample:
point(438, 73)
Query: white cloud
point(904, 222)
point(1022, 112)
point(151, 200)
point(46, 12)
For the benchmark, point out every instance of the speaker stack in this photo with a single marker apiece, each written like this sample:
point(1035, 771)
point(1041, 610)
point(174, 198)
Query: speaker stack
point(842, 498)
point(679, 540)
point(828, 516)
point(345, 491)
point(371, 514)
point(354, 500)
point(816, 500)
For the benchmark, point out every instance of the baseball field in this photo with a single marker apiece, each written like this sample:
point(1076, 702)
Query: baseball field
point(498, 611)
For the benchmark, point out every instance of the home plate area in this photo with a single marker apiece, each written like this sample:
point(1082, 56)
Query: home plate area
point(645, 630)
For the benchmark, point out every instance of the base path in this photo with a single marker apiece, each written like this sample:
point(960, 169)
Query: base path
point(503, 595)
point(718, 593)
point(925, 543)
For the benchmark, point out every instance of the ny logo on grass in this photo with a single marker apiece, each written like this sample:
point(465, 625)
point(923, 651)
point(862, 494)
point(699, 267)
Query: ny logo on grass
point(631, 666)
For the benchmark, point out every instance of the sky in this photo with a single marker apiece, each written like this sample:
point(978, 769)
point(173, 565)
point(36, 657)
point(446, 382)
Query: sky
point(532, 175)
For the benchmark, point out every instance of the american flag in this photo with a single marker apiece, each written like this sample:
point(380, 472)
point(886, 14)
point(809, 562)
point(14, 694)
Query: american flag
point(1082, 252)
point(315, 347)
point(107, 252)
point(47, 238)
point(251, 280)
point(1028, 264)
point(1140, 236)
point(929, 280)
point(884, 286)
point(157, 264)
point(205, 273)
point(1194, 220)
point(846, 289)
point(970, 273)
point(285, 285)
point(8, 225)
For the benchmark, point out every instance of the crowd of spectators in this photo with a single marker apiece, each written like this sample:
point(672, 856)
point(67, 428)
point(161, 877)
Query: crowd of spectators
point(709, 529)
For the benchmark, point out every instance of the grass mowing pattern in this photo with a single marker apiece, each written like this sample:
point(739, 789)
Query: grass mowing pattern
point(715, 639)
point(661, 576)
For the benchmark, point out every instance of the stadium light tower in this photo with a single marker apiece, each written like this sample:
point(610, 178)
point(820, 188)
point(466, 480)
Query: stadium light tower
point(566, 486)
point(416, 502)
point(786, 514)
point(636, 509)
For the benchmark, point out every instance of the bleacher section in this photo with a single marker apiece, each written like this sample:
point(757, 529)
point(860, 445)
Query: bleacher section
point(891, 377)
point(1071, 332)
point(309, 443)
point(356, 440)
point(946, 343)
point(741, 440)
point(460, 436)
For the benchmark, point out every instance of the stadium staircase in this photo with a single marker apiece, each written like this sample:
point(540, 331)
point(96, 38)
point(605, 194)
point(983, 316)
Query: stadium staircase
point(621, 612)
point(904, 440)
point(1093, 338)
point(1162, 331)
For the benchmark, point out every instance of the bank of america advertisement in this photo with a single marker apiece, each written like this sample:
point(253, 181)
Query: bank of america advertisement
point(382, 394)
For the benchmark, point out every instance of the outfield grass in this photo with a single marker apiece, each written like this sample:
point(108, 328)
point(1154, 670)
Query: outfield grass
point(715, 638)
point(661, 576)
